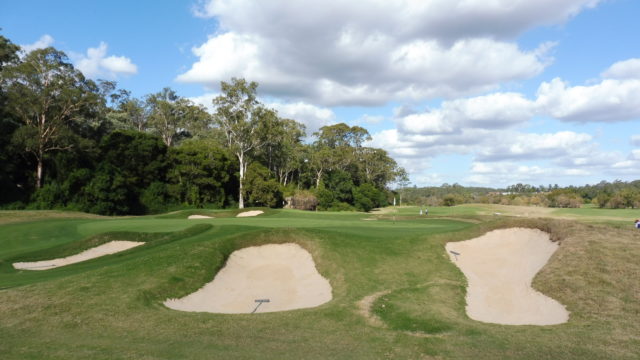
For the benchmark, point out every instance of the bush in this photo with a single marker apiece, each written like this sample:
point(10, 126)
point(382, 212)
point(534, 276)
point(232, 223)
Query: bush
point(340, 184)
point(154, 198)
point(260, 189)
point(366, 197)
point(341, 206)
point(302, 200)
point(325, 198)
point(47, 197)
point(452, 200)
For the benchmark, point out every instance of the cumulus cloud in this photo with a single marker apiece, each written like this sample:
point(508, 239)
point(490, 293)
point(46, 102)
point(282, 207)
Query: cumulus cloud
point(526, 146)
point(439, 19)
point(611, 100)
point(96, 63)
point(313, 117)
point(627, 69)
point(45, 41)
point(493, 111)
point(372, 52)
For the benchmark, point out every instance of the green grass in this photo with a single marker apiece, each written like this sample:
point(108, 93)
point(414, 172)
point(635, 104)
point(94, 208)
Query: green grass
point(111, 307)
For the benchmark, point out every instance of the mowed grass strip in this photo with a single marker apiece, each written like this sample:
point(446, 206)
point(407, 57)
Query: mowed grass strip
point(113, 308)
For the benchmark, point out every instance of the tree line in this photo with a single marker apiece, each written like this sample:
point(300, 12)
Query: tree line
point(68, 142)
point(613, 195)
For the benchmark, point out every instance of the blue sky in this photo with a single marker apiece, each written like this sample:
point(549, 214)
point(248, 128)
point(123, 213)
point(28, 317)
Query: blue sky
point(473, 92)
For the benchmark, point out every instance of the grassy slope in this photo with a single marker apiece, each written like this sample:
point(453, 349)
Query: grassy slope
point(111, 307)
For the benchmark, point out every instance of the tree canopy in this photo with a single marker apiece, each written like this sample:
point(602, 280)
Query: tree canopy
point(69, 142)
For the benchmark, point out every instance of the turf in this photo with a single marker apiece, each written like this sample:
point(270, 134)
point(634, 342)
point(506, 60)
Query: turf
point(111, 307)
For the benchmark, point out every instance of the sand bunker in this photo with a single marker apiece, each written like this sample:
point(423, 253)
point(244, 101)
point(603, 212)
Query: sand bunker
point(250, 213)
point(285, 274)
point(102, 250)
point(499, 267)
point(200, 217)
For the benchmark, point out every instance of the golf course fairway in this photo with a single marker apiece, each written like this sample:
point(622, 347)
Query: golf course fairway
point(394, 291)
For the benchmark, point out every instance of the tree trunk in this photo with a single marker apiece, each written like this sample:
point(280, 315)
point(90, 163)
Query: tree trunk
point(39, 174)
point(240, 199)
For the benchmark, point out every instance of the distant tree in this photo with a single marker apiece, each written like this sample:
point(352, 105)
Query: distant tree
point(402, 179)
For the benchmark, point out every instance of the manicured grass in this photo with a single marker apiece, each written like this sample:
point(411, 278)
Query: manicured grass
point(111, 307)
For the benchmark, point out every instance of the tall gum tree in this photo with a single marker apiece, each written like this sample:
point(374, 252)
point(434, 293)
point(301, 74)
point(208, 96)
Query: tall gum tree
point(172, 116)
point(47, 94)
point(239, 115)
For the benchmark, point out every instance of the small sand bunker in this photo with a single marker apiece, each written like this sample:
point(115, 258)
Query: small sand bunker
point(250, 213)
point(199, 217)
point(98, 251)
point(499, 267)
point(283, 274)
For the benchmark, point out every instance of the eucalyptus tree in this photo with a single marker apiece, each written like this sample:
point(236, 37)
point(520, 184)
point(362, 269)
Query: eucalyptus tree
point(282, 149)
point(172, 116)
point(377, 167)
point(48, 95)
point(9, 163)
point(240, 116)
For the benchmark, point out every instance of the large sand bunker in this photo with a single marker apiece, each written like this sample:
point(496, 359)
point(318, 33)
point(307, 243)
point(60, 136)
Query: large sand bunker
point(102, 250)
point(499, 267)
point(250, 213)
point(285, 274)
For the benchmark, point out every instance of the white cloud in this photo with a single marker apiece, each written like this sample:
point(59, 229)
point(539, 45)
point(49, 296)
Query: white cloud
point(627, 69)
point(96, 63)
point(371, 52)
point(439, 19)
point(493, 111)
point(635, 140)
point(505, 173)
point(611, 100)
point(45, 41)
point(537, 146)
point(313, 117)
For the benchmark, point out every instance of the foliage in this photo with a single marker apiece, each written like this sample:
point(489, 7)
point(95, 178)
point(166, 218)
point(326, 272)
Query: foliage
point(67, 142)
point(47, 95)
point(201, 174)
point(260, 189)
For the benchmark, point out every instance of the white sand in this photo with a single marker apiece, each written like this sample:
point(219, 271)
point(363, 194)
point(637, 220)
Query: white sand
point(499, 267)
point(102, 250)
point(250, 213)
point(200, 217)
point(283, 273)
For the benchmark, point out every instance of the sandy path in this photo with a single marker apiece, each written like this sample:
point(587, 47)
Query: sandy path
point(191, 217)
point(250, 213)
point(102, 250)
point(499, 267)
point(283, 273)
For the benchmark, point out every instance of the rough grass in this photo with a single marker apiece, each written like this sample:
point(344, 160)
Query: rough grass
point(111, 307)
point(15, 216)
